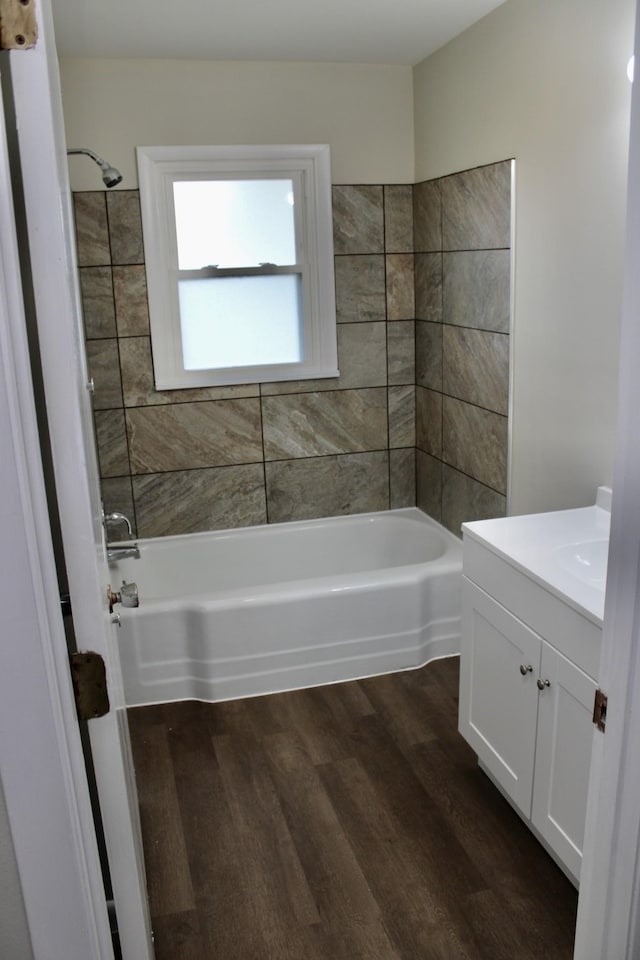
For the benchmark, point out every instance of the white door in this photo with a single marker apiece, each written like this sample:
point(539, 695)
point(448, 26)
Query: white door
point(43, 162)
point(42, 771)
point(498, 694)
point(563, 757)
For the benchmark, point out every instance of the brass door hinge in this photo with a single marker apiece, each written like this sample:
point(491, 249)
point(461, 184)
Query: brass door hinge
point(600, 710)
point(89, 684)
point(17, 25)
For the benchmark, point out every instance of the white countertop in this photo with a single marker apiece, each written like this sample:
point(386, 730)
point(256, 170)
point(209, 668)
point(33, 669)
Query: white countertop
point(564, 551)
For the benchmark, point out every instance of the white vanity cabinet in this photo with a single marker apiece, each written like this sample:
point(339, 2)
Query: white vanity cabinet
point(563, 757)
point(527, 686)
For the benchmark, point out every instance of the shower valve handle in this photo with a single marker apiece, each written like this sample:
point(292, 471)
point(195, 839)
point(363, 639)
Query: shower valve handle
point(128, 596)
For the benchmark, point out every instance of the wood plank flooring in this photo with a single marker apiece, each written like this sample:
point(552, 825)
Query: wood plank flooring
point(347, 822)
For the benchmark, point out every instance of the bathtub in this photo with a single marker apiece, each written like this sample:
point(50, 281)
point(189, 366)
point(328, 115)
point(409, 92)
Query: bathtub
point(256, 610)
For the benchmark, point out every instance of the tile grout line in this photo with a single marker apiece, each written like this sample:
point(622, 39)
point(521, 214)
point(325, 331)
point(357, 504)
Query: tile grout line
point(110, 265)
point(441, 351)
point(386, 339)
point(264, 459)
point(250, 463)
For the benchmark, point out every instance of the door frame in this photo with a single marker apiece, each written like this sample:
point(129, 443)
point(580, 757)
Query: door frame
point(607, 923)
point(47, 232)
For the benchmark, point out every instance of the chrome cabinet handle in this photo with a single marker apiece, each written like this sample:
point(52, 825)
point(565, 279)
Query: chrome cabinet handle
point(525, 669)
point(543, 683)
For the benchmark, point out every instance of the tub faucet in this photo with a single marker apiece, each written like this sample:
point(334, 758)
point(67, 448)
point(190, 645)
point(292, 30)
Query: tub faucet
point(122, 553)
point(119, 553)
point(127, 595)
point(116, 517)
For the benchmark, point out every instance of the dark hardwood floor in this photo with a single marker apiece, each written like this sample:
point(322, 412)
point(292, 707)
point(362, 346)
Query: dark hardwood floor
point(347, 822)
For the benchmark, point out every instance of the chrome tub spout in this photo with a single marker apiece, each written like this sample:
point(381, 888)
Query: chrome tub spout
point(122, 552)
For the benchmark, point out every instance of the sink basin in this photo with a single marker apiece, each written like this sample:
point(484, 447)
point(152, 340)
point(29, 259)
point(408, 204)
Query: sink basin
point(587, 560)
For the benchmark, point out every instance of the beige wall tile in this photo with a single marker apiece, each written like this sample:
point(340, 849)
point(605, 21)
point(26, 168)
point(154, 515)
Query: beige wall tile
point(184, 436)
point(91, 229)
point(360, 288)
point(464, 499)
point(475, 442)
point(429, 484)
point(111, 437)
point(402, 416)
point(402, 478)
point(428, 274)
point(96, 288)
point(315, 424)
point(398, 218)
point(476, 208)
point(401, 351)
point(189, 501)
point(476, 289)
point(125, 226)
point(362, 355)
point(429, 355)
point(130, 291)
point(476, 367)
point(358, 221)
point(429, 421)
point(327, 486)
point(104, 369)
point(400, 286)
point(427, 216)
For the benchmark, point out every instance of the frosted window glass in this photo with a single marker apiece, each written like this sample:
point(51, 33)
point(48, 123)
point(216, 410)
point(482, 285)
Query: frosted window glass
point(234, 223)
point(240, 321)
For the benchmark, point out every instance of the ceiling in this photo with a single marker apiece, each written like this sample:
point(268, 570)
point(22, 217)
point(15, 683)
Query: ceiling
point(348, 31)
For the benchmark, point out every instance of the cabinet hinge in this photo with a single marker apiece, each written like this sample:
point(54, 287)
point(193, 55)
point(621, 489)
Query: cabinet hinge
point(89, 685)
point(600, 710)
point(17, 25)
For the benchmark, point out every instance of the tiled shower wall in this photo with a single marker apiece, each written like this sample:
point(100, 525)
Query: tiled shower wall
point(463, 305)
point(189, 460)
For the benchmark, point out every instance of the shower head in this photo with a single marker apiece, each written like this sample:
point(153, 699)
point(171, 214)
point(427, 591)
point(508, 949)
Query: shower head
point(110, 176)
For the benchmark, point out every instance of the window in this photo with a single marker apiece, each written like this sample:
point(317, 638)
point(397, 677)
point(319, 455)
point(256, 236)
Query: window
point(239, 253)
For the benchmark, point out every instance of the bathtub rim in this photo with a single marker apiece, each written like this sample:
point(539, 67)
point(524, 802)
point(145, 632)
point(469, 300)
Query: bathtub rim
point(449, 561)
point(262, 529)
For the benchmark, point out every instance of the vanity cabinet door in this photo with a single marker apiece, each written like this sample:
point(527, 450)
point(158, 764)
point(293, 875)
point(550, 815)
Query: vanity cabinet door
point(499, 666)
point(563, 756)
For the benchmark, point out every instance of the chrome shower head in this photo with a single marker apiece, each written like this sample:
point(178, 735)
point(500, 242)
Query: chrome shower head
point(110, 176)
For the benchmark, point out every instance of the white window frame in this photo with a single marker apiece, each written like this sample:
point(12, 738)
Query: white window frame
point(308, 165)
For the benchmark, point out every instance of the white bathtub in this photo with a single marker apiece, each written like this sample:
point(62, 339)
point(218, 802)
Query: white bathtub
point(256, 610)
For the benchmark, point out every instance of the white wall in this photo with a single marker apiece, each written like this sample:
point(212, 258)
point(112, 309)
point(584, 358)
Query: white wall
point(365, 112)
point(545, 82)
